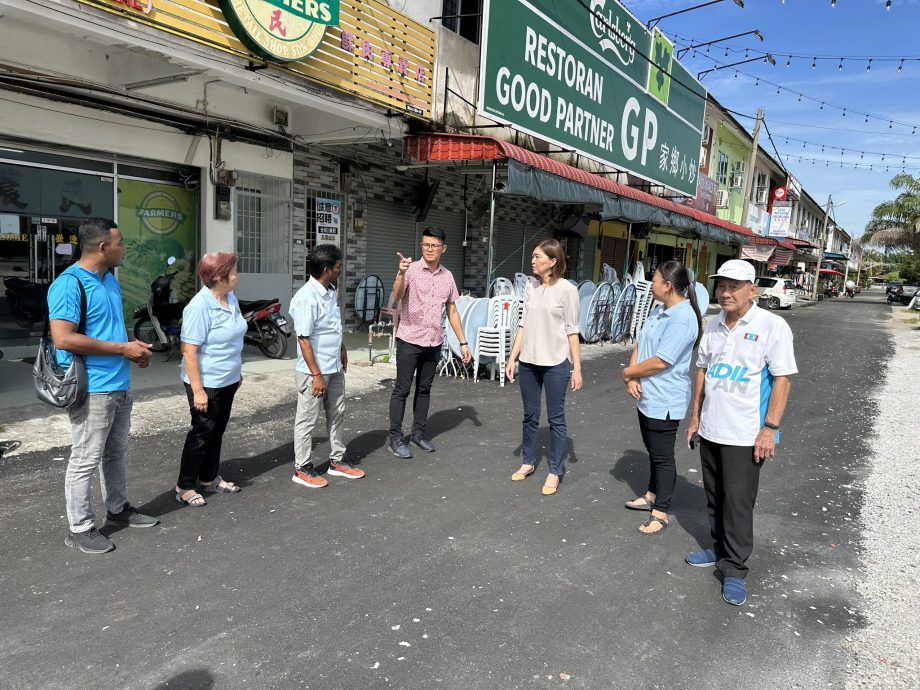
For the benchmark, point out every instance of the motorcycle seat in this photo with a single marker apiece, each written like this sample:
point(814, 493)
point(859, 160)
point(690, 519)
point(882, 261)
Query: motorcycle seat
point(255, 305)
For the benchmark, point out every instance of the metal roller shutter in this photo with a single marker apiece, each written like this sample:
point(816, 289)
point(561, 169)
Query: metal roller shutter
point(513, 245)
point(613, 252)
point(390, 229)
point(453, 226)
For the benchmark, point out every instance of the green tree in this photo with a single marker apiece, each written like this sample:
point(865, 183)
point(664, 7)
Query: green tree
point(895, 224)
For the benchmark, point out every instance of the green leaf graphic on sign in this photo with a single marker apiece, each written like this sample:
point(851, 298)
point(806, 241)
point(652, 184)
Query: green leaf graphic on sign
point(659, 76)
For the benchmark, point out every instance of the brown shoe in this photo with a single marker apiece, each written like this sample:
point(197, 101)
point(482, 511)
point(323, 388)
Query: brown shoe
point(308, 477)
point(344, 469)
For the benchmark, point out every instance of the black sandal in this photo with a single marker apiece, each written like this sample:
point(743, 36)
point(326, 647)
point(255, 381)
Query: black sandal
point(652, 518)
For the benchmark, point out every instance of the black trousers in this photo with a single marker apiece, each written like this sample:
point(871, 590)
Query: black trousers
point(659, 436)
point(730, 478)
point(418, 362)
point(201, 454)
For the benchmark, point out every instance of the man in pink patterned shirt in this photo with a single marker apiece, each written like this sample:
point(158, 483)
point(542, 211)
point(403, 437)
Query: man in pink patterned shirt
point(425, 288)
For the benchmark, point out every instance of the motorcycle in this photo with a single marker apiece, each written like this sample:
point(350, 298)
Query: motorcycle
point(851, 292)
point(26, 299)
point(266, 328)
point(894, 294)
point(158, 320)
point(831, 290)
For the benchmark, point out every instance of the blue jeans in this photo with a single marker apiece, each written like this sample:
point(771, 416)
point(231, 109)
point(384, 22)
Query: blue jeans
point(99, 428)
point(532, 379)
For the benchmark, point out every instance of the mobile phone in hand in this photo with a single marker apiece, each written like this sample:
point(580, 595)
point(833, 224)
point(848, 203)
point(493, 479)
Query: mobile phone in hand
point(694, 440)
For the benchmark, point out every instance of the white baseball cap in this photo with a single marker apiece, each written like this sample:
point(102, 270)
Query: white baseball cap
point(736, 269)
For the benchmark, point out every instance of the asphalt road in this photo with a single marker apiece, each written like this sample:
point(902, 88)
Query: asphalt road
point(439, 572)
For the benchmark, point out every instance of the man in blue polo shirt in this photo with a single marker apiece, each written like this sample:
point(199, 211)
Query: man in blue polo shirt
point(320, 370)
point(100, 425)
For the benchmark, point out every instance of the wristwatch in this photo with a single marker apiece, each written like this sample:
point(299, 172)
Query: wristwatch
point(770, 425)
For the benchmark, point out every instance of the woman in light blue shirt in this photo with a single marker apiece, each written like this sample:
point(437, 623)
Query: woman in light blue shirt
point(658, 377)
point(212, 343)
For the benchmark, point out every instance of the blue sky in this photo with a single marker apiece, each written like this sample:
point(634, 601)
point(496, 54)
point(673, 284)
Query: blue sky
point(812, 28)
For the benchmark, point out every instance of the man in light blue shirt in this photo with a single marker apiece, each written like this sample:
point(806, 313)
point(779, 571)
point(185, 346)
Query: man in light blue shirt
point(320, 370)
point(100, 424)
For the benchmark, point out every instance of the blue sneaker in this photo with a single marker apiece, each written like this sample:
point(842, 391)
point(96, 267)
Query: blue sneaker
point(702, 559)
point(734, 591)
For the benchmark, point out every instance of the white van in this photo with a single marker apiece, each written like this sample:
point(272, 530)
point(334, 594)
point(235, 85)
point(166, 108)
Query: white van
point(775, 292)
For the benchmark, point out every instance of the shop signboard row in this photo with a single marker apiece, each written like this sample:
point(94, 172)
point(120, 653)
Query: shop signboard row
point(590, 78)
point(361, 47)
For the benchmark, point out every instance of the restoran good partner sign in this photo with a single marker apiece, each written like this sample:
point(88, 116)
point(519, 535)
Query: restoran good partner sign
point(587, 76)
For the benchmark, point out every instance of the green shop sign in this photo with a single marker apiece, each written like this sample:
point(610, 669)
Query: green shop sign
point(586, 75)
point(282, 30)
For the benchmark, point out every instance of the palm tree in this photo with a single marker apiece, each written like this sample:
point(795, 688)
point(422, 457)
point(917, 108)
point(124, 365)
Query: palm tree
point(896, 223)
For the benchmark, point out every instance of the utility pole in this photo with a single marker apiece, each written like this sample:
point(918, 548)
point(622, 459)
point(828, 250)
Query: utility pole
point(749, 173)
point(822, 241)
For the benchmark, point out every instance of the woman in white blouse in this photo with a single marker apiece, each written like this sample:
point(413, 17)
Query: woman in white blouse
point(547, 346)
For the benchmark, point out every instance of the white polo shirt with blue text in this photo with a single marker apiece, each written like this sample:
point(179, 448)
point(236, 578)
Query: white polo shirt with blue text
point(741, 365)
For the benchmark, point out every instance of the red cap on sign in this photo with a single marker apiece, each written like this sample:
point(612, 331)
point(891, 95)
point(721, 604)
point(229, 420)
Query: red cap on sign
point(779, 193)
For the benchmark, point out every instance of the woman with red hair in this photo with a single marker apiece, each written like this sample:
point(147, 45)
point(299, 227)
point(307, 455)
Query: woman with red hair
point(212, 340)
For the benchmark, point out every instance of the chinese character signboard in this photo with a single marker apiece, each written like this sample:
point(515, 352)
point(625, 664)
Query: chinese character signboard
point(706, 192)
point(328, 221)
point(596, 82)
point(361, 47)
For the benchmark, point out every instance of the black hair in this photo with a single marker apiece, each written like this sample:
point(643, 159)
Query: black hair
point(95, 231)
point(435, 232)
point(322, 257)
point(677, 274)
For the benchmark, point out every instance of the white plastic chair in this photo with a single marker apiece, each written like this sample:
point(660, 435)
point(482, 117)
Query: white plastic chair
point(521, 280)
point(496, 339)
point(501, 286)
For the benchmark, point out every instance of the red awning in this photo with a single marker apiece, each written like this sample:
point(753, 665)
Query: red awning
point(801, 243)
point(466, 147)
point(829, 272)
point(785, 244)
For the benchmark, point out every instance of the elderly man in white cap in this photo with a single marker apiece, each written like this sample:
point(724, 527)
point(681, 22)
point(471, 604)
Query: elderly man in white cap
point(740, 391)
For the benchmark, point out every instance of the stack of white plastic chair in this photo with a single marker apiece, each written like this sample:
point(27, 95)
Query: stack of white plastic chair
point(644, 301)
point(521, 280)
point(608, 274)
point(501, 286)
point(496, 339)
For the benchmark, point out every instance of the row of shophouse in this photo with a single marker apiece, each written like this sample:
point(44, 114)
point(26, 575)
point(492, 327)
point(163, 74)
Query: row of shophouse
point(265, 127)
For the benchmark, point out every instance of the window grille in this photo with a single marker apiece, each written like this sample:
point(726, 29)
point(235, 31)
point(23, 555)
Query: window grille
point(263, 224)
point(722, 169)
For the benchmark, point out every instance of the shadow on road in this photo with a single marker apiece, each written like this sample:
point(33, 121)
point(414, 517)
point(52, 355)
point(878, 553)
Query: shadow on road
point(543, 441)
point(240, 471)
point(688, 503)
point(199, 679)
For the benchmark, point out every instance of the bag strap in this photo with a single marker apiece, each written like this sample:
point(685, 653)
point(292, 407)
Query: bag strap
point(81, 327)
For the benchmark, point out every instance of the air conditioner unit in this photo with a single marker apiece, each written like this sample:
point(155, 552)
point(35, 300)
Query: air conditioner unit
point(762, 194)
point(722, 198)
point(707, 135)
point(737, 180)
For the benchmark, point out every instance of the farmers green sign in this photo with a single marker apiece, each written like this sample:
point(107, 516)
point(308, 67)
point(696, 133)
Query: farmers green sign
point(587, 76)
point(282, 30)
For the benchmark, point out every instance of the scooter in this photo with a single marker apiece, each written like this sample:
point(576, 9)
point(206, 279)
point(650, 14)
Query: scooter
point(831, 290)
point(851, 292)
point(266, 328)
point(26, 299)
point(158, 320)
point(894, 294)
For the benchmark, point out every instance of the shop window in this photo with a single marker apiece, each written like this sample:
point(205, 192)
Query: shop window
point(463, 17)
point(262, 208)
point(722, 169)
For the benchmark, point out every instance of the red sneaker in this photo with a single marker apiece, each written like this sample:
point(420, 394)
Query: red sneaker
point(344, 469)
point(308, 477)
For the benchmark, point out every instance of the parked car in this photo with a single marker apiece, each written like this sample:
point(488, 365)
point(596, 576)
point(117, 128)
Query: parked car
point(776, 292)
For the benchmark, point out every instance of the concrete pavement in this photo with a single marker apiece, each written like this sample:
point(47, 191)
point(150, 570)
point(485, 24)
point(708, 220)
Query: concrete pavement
point(439, 572)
